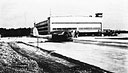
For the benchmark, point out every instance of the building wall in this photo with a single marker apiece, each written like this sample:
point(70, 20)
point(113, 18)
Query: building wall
point(43, 27)
point(82, 24)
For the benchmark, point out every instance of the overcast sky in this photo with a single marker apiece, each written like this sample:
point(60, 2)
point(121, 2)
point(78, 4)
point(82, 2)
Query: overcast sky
point(23, 13)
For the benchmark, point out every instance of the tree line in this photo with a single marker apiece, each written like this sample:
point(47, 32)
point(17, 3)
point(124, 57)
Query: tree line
point(19, 32)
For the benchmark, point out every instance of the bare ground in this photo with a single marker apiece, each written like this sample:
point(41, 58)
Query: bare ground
point(12, 62)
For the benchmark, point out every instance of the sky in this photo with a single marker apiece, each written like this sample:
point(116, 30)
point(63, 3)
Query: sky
point(23, 13)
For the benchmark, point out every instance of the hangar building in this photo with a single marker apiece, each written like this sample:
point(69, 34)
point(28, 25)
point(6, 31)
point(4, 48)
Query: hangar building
point(84, 24)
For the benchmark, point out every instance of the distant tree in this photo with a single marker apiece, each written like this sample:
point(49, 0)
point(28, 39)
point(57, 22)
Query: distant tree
point(19, 32)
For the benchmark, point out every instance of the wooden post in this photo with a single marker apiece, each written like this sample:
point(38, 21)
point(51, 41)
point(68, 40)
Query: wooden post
point(37, 44)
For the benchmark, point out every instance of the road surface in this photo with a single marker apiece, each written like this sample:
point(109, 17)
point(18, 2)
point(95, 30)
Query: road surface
point(107, 56)
point(111, 58)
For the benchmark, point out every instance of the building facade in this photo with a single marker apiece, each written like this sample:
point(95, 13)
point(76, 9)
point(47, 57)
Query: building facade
point(83, 24)
point(43, 27)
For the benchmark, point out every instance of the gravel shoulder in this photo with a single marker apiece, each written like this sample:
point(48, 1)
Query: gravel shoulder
point(12, 62)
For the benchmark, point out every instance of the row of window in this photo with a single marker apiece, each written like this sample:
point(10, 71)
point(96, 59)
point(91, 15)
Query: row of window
point(76, 22)
point(76, 28)
point(64, 28)
point(88, 28)
point(42, 25)
point(42, 29)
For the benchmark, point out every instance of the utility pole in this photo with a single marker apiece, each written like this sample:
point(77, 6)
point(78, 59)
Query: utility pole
point(50, 13)
point(25, 18)
point(37, 42)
